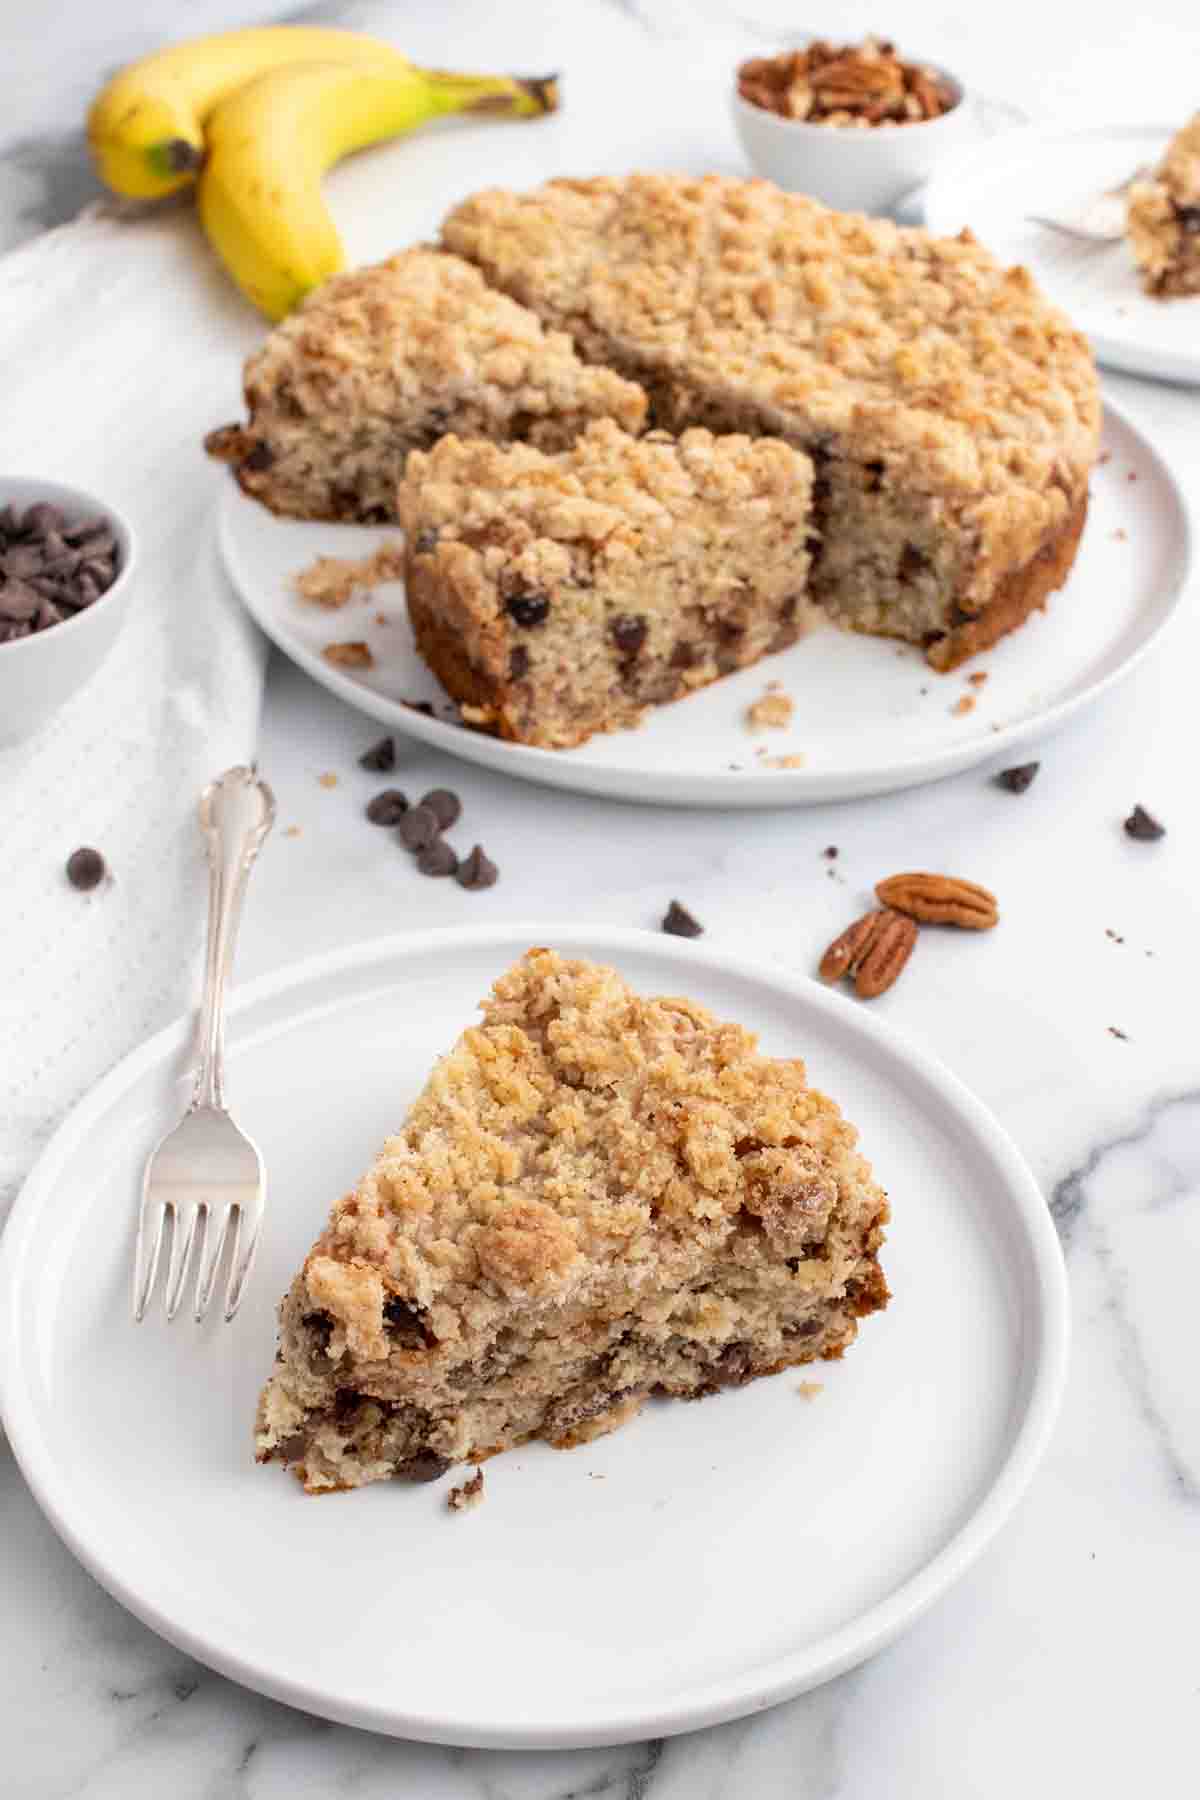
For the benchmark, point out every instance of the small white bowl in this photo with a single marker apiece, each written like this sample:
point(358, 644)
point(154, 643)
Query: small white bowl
point(853, 168)
point(39, 673)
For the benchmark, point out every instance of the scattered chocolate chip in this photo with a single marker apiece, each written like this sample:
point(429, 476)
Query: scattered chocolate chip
point(445, 806)
point(1115, 1031)
point(527, 609)
point(830, 852)
point(1018, 778)
point(628, 633)
point(477, 870)
point(387, 808)
point(425, 541)
point(518, 663)
point(1144, 826)
point(418, 828)
point(679, 922)
point(85, 869)
point(437, 859)
point(380, 759)
point(261, 457)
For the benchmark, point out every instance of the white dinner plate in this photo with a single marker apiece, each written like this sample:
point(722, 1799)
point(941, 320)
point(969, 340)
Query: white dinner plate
point(870, 715)
point(997, 185)
point(701, 1563)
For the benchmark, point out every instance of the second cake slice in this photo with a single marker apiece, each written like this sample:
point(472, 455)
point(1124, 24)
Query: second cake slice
point(555, 596)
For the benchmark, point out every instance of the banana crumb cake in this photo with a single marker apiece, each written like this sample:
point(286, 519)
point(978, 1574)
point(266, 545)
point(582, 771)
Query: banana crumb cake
point(555, 596)
point(384, 360)
point(1163, 219)
point(596, 1199)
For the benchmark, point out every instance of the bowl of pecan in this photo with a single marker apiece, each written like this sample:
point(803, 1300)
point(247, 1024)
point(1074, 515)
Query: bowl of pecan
point(854, 125)
point(67, 568)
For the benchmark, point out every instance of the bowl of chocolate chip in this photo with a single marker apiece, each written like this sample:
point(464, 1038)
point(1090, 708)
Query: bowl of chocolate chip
point(67, 565)
point(855, 125)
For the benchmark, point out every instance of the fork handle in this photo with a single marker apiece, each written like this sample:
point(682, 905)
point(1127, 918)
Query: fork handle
point(236, 814)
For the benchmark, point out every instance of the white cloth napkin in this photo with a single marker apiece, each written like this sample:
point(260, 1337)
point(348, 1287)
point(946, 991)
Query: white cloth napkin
point(120, 346)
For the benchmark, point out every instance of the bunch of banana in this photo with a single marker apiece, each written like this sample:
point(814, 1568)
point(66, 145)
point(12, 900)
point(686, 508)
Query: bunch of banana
point(257, 117)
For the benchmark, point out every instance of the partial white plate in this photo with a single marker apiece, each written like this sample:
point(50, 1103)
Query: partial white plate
point(996, 186)
point(700, 1564)
point(870, 715)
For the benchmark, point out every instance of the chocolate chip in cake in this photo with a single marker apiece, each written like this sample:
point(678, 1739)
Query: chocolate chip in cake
point(425, 541)
point(1018, 778)
point(913, 562)
point(527, 609)
point(444, 804)
point(1188, 217)
point(261, 457)
point(628, 633)
point(683, 655)
point(437, 859)
point(387, 808)
point(679, 922)
point(518, 663)
point(85, 869)
point(380, 758)
point(407, 1322)
point(1144, 826)
point(426, 1465)
point(477, 870)
point(418, 828)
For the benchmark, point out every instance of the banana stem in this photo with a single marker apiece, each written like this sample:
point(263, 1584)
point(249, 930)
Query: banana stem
point(515, 96)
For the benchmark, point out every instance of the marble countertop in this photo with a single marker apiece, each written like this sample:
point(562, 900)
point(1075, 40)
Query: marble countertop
point(1066, 1660)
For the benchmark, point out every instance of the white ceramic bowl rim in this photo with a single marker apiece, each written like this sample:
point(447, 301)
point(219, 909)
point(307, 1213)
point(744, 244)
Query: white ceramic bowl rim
point(88, 505)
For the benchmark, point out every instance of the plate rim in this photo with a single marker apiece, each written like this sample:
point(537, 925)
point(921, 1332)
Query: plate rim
point(1046, 1304)
point(940, 213)
point(720, 788)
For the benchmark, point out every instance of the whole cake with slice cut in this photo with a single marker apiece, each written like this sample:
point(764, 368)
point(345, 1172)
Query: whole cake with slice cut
point(556, 596)
point(597, 1198)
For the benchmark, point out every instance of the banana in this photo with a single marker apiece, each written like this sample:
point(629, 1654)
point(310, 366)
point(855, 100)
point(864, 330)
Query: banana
point(269, 143)
point(146, 126)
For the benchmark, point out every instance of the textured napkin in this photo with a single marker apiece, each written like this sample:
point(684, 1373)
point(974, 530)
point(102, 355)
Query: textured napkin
point(120, 347)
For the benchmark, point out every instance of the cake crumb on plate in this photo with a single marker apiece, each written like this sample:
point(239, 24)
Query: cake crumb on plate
point(462, 1499)
point(772, 711)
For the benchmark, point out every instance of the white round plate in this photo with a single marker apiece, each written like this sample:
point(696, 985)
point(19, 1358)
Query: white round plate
point(997, 185)
point(870, 716)
point(702, 1563)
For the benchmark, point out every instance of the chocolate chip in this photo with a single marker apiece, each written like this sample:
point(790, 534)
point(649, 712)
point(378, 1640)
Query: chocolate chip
point(1018, 778)
point(85, 869)
point(628, 633)
point(683, 655)
point(261, 457)
point(41, 518)
point(426, 1465)
point(913, 562)
point(1144, 826)
point(1188, 217)
point(418, 828)
point(19, 601)
point(830, 852)
point(445, 806)
point(437, 859)
point(477, 870)
point(387, 808)
point(50, 569)
point(518, 663)
point(425, 541)
point(679, 922)
point(380, 759)
point(407, 1322)
point(527, 609)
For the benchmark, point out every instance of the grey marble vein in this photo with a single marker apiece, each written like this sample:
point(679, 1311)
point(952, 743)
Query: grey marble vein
point(1068, 1198)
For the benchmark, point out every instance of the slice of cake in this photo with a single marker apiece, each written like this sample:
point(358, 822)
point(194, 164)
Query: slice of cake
point(1163, 219)
point(596, 1199)
point(952, 413)
point(385, 360)
point(557, 596)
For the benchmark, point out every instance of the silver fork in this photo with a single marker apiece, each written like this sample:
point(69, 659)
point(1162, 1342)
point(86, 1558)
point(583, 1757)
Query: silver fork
point(206, 1176)
point(1100, 221)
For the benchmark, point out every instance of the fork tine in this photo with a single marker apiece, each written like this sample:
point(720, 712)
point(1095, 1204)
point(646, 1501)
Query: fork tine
point(210, 1260)
point(181, 1254)
point(151, 1226)
point(241, 1260)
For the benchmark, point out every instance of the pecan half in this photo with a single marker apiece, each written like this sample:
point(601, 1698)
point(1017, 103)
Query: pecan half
point(940, 900)
point(874, 950)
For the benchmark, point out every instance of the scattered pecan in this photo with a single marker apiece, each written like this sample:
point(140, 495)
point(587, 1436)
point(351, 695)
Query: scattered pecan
point(940, 900)
point(873, 950)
